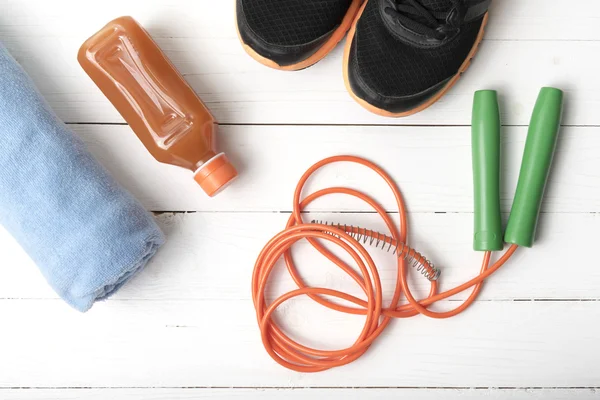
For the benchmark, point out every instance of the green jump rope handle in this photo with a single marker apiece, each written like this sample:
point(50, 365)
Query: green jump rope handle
point(486, 171)
point(537, 159)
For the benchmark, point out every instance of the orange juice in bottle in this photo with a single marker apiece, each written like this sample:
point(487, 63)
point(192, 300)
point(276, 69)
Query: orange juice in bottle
point(155, 100)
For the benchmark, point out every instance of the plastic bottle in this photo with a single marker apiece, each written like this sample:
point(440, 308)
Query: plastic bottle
point(153, 97)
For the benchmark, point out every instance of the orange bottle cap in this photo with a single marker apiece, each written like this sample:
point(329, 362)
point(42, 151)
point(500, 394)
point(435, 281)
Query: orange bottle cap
point(214, 175)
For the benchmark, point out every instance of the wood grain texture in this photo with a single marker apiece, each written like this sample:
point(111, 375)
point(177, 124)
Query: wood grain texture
point(432, 166)
point(185, 327)
point(207, 343)
point(528, 46)
point(299, 394)
point(210, 257)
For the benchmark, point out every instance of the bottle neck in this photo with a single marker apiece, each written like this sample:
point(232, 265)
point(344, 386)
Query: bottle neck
point(209, 156)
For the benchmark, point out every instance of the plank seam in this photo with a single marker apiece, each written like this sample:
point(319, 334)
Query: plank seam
point(141, 299)
point(326, 125)
point(478, 388)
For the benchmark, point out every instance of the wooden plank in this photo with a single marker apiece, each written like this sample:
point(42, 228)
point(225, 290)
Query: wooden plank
point(216, 344)
point(432, 165)
point(210, 256)
point(298, 394)
point(512, 19)
point(528, 46)
point(187, 321)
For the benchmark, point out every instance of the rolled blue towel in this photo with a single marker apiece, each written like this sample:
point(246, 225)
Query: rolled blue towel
point(87, 235)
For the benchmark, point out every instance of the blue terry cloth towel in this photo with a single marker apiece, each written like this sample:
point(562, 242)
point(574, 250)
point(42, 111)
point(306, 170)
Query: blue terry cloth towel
point(87, 235)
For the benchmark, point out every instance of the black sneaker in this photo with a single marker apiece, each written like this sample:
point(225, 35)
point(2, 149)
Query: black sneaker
point(404, 55)
point(293, 34)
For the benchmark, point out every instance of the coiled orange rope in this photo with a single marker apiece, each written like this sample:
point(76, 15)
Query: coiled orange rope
point(298, 357)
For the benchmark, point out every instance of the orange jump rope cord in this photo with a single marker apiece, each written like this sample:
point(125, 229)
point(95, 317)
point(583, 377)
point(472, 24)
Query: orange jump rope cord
point(298, 357)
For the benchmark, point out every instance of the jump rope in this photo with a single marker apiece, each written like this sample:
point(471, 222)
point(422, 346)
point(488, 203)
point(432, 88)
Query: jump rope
point(488, 237)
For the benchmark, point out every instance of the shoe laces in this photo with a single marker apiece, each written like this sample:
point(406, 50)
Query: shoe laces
point(431, 23)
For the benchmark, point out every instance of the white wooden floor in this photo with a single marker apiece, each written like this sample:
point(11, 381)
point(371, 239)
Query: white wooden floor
point(186, 328)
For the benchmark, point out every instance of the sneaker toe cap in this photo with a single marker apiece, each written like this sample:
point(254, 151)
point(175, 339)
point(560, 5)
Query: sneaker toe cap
point(283, 55)
point(390, 103)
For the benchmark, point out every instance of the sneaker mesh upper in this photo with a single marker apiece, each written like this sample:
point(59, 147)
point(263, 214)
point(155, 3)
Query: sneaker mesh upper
point(437, 5)
point(294, 22)
point(393, 68)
